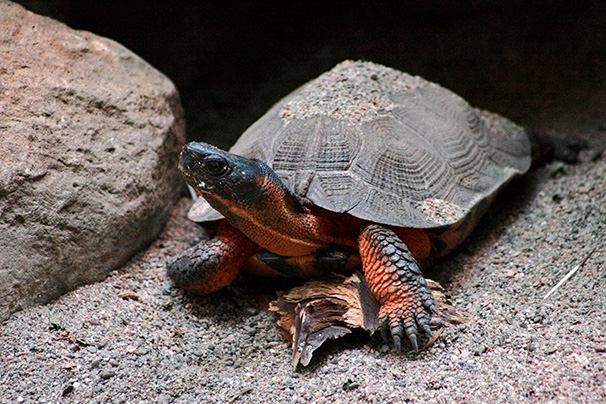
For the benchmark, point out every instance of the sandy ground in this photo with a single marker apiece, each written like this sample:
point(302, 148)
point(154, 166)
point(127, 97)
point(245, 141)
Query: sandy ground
point(129, 339)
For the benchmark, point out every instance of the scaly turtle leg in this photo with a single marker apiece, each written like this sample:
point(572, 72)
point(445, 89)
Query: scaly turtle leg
point(212, 264)
point(395, 279)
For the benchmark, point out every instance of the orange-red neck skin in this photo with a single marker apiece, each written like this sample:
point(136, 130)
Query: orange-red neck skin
point(287, 226)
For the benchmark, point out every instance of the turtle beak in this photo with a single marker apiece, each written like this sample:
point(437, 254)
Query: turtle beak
point(203, 165)
point(191, 153)
point(190, 162)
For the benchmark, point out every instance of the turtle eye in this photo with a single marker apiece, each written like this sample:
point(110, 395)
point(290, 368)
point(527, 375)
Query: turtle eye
point(215, 165)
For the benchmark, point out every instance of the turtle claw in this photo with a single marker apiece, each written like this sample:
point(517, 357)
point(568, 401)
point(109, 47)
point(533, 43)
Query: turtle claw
point(397, 344)
point(407, 323)
point(396, 333)
point(413, 342)
point(428, 331)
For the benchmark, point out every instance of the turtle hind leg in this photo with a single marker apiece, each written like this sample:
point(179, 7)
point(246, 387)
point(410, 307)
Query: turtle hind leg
point(549, 145)
point(395, 279)
point(212, 264)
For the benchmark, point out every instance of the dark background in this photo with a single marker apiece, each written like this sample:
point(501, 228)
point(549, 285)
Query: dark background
point(541, 64)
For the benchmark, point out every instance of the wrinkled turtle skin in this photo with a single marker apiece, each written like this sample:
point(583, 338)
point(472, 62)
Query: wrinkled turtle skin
point(363, 165)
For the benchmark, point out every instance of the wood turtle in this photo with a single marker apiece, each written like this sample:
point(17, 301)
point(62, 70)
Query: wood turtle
point(363, 158)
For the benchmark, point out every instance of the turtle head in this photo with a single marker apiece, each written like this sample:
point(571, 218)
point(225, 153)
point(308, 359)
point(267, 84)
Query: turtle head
point(251, 196)
point(222, 177)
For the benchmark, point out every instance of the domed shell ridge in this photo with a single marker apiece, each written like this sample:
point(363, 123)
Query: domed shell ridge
point(423, 158)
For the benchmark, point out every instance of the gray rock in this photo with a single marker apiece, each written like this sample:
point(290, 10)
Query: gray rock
point(90, 135)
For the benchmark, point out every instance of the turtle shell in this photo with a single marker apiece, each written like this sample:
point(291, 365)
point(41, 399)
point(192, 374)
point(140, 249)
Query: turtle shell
point(384, 146)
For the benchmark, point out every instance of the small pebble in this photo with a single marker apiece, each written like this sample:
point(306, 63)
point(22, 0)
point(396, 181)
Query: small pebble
point(478, 349)
point(350, 385)
point(67, 389)
point(107, 374)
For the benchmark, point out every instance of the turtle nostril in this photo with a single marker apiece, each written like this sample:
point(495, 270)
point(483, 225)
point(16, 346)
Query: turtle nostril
point(186, 159)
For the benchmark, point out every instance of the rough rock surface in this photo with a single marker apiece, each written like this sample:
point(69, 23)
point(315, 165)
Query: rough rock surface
point(90, 136)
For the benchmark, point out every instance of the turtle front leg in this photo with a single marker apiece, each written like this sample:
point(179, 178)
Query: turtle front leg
point(212, 264)
point(396, 281)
